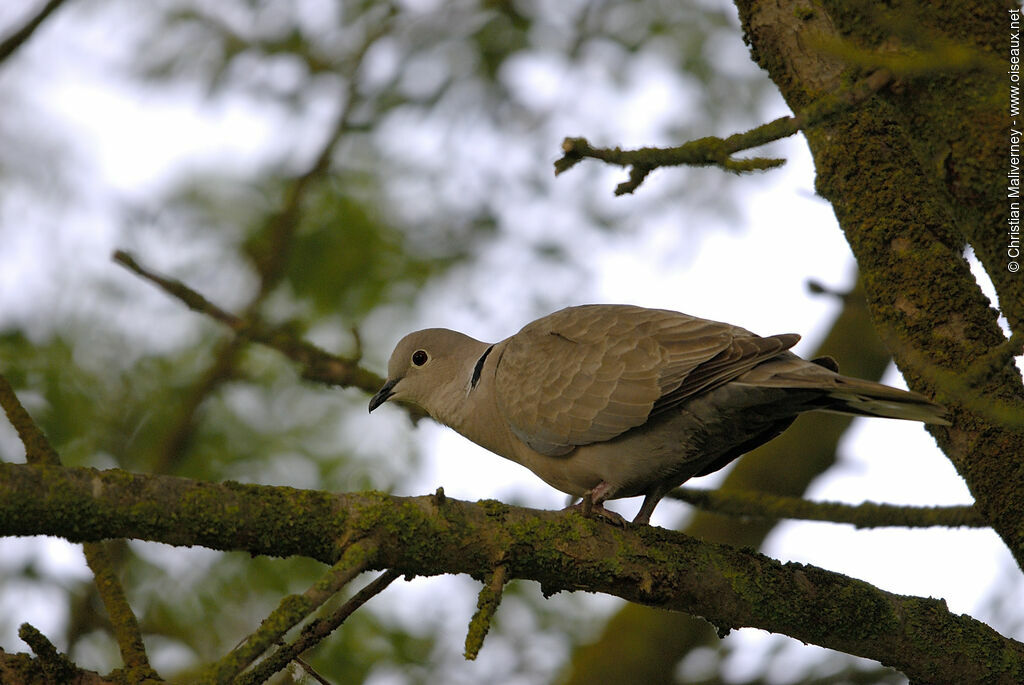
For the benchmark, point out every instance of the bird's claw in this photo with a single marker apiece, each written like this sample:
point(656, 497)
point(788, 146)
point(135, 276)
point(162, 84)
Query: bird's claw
point(595, 510)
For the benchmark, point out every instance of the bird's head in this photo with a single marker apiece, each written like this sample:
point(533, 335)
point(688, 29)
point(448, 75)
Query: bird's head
point(431, 369)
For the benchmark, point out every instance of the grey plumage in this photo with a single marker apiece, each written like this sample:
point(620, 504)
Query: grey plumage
point(609, 401)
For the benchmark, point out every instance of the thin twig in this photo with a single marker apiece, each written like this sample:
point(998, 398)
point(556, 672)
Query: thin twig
point(282, 227)
point(56, 667)
point(318, 364)
point(315, 631)
point(293, 609)
point(270, 259)
point(38, 449)
point(486, 606)
point(122, 619)
point(310, 671)
point(995, 360)
point(188, 296)
point(21, 36)
point(866, 515)
point(964, 387)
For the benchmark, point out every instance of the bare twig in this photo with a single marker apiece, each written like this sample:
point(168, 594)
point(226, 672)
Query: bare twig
point(11, 43)
point(270, 253)
point(176, 288)
point(271, 260)
point(997, 358)
point(38, 449)
point(963, 388)
point(122, 618)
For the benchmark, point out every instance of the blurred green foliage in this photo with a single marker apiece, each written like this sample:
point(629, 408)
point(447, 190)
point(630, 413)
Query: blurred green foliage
point(344, 261)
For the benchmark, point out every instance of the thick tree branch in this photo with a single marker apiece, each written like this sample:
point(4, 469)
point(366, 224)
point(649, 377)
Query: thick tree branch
point(562, 551)
point(908, 193)
point(38, 450)
point(865, 515)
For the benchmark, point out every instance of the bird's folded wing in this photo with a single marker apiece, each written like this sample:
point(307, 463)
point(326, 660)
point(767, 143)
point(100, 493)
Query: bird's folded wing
point(588, 374)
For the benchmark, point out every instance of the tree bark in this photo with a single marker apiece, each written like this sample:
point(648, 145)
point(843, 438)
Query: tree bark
point(561, 550)
point(914, 175)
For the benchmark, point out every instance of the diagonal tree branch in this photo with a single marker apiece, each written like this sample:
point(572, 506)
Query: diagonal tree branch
point(562, 551)
point(292, 610)
point(315, 631)
point(270, 251)
point(318, 364)
point(11, 43)
point(55, 667)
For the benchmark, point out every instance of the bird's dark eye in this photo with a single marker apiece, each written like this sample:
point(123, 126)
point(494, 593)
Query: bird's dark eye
point(420, 357)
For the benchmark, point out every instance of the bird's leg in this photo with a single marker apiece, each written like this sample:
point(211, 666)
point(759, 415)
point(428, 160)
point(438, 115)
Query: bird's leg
point(647, 508)
point(651, 499)
point(592, 504)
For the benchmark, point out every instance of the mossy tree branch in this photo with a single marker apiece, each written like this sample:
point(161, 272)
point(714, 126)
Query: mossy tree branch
point(562, 551)
point(714, 151)
point(486, 606)
point(315, 631)
point(293, 609)
point(38, 450)
point(55, 667)
point(752, 504)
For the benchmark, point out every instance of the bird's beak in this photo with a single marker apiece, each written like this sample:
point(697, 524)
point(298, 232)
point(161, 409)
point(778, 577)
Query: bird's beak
point(384, 393)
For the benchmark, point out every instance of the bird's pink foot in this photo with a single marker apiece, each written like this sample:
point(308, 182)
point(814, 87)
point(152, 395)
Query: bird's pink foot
point(592, 505)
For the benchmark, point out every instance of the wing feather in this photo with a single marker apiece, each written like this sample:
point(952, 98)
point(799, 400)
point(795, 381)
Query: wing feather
point(590, 373)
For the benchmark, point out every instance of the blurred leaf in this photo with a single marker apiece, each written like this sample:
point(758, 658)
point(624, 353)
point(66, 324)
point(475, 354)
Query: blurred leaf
point(346, 260)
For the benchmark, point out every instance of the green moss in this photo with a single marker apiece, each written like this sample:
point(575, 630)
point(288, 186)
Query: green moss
point(493, 508)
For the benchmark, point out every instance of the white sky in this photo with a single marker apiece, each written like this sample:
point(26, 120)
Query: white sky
point(132, 143)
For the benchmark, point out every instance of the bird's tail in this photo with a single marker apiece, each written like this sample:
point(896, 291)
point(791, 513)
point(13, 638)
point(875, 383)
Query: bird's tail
point(864, 398)
point(844, 394)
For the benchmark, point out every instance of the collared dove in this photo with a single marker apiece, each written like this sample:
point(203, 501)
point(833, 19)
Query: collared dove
point(607, 401)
